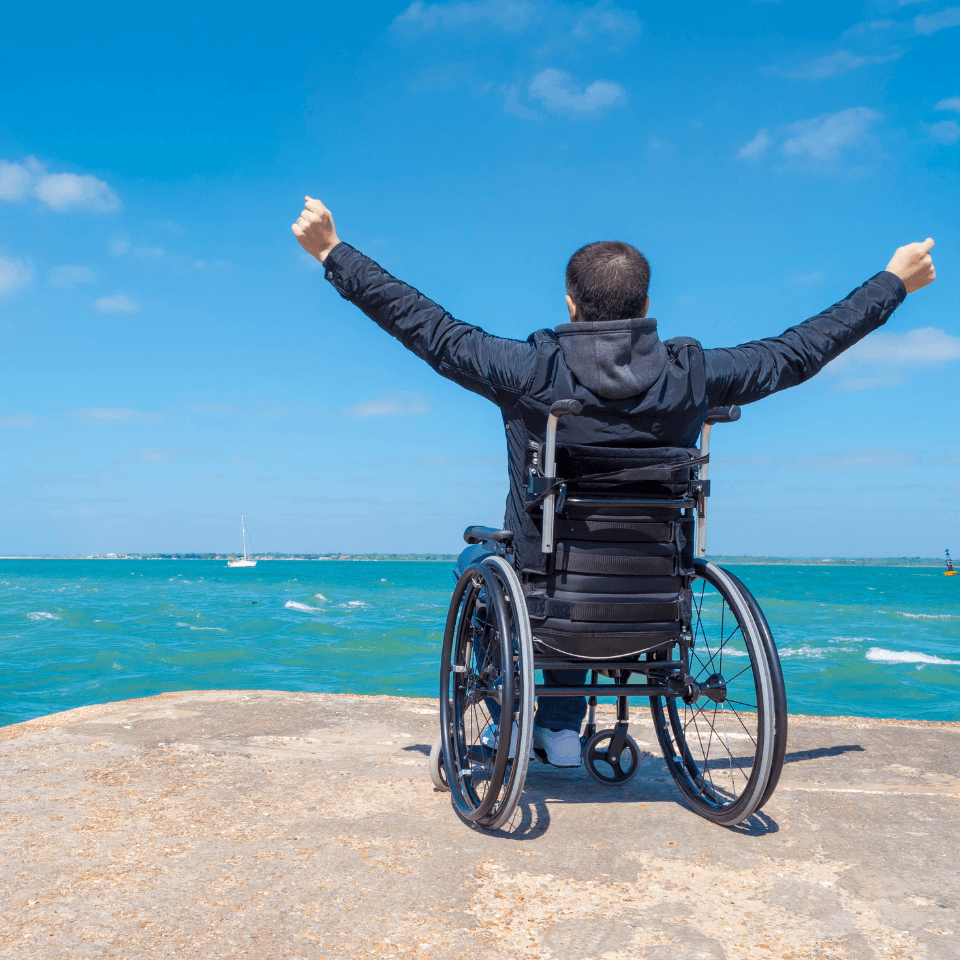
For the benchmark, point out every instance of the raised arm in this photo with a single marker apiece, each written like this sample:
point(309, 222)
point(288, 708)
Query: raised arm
point(755, 370)
point(494, 367)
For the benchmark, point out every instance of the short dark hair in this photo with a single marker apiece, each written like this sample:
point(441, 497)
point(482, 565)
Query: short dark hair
point(608, 280)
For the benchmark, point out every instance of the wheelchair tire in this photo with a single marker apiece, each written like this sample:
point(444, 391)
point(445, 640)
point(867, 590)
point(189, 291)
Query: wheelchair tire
point(438, 773)
point(599, 765)
point(779, 690)
point(721, 747)
point(487, 658)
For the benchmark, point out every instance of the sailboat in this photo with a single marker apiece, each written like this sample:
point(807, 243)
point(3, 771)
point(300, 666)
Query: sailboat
point(950, 572)
point(245, 562)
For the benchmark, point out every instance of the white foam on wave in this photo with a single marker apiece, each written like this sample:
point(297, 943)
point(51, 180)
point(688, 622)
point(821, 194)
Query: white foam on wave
point(850, 639)
point(356, 603)
point(293, 605)
point(880, 655)
point(221, 629)
point(928, 616)
point(42, 615)
point(811, 653)
point(320, 597)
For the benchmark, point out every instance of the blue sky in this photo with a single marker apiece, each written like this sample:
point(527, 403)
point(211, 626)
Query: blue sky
point(171, 358)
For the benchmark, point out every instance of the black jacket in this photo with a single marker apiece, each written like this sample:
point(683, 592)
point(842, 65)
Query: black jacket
point(635, 389)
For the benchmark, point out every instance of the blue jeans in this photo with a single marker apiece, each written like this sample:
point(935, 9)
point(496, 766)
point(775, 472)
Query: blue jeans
point(553, 713)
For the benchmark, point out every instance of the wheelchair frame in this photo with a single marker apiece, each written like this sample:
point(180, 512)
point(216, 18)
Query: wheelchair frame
point(488, 613)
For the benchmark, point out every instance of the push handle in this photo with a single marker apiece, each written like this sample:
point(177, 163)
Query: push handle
point(722, 415)
point(561, 408)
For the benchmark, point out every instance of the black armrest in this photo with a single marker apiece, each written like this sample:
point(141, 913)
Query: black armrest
point(487, 535)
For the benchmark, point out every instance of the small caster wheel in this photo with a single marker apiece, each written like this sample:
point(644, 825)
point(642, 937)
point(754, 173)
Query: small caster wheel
point(610, 771)
point(438, 773)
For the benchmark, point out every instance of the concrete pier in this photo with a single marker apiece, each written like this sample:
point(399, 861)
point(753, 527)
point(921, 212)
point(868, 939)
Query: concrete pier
point(263, 824)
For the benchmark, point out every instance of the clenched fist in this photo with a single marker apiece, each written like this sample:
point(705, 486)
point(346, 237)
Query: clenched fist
point(314, 230)
point(914, 265)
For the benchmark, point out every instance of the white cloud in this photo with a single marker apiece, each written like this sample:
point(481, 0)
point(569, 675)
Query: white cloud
point(559, 92)
point(808, 279)
point(119, 247)
point(392, 403)
point(24, 421)
point(68, 191)
point(824, 137)
point(59, 191)
point(951, 103)
point(512, 104)
point(13, 275)
point(607, 21)
point(867, 26)
point(931, 23)
point(15, 181)
point(947, 131)
point(67, 276)
point(831, 65)
point(99, 416)
point(886, 359)
point(118, 303)
point(449, 76)
point(757, 147)
point(509, 15)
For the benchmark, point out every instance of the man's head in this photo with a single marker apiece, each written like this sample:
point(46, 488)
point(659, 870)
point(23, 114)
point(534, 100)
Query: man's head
point(607, 280)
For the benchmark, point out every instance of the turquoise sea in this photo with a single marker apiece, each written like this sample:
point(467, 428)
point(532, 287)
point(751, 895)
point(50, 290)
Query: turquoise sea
point(867, 641)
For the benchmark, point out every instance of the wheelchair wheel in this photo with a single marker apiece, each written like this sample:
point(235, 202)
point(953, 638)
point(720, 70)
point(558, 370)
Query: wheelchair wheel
point(722, 741)
point(486, 690)
point(610, 771)
point(438, 773)
point(779, 690)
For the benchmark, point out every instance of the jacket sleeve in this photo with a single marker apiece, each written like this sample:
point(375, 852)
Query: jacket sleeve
point(755, 370)
point(494, 367)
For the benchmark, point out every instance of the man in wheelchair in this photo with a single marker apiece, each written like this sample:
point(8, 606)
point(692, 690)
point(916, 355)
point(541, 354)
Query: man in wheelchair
point(596, 559)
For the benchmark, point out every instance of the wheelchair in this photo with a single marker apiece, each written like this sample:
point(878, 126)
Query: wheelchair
point(609, 576)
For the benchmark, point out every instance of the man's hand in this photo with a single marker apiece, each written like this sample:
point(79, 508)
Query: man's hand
point(316, 233)
point(913, 265)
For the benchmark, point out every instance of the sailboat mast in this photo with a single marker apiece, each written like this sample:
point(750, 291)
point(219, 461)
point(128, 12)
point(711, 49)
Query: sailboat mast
point(243, 531)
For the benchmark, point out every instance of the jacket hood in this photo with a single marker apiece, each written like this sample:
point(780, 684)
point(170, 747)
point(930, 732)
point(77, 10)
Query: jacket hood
point(614, 359)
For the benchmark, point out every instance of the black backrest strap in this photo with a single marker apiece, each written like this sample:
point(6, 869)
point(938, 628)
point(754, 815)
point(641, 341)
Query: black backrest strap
point(580, 562)
point(622, 531)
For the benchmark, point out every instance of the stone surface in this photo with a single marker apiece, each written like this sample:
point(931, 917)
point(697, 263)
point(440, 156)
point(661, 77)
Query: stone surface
point(264, 824)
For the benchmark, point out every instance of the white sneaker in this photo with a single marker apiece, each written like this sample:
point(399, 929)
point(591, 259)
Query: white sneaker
point(562, 747)
point(489, 739)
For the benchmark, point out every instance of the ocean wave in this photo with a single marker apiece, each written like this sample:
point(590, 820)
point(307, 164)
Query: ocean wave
point(851, 639)
point(928, 616)
point(811, 653)
point(320, 597)
point(356, 603)
point(42, 615)
point(221, 629)
point(293, 605)
point(880, 655)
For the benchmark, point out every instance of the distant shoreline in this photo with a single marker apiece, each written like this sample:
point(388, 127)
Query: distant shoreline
point(902, 562)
